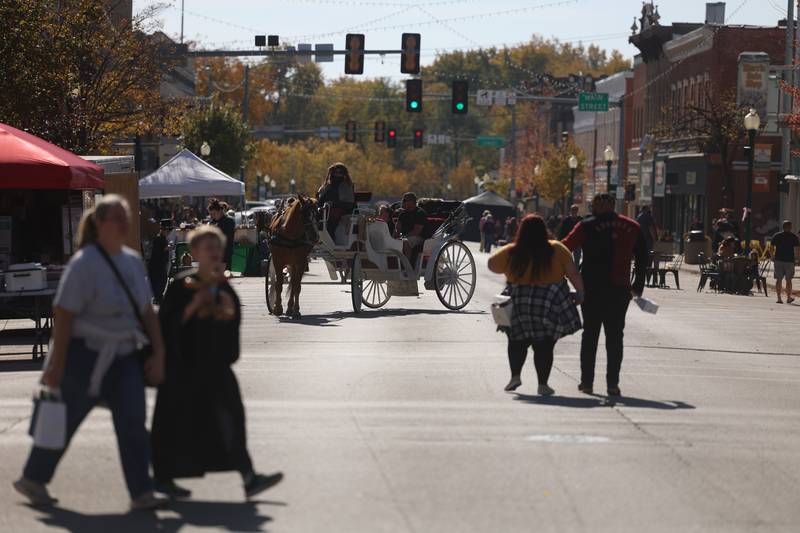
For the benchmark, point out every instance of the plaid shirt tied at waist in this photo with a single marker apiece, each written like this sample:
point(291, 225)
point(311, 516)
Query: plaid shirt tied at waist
point(543, 311)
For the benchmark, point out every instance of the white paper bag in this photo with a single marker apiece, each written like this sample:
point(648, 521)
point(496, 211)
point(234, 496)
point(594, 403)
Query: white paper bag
point(648, 306)
point(50, 427)
point(501, 310)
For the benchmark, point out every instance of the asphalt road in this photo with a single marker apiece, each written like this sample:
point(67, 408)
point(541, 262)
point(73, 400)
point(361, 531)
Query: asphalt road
point(396, 420)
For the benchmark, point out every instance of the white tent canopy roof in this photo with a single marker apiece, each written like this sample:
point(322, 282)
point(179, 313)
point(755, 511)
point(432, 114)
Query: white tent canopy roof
point(188, 175)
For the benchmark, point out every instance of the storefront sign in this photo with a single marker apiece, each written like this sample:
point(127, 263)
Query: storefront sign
point(660, 187)
point(763, 154)
point(646, 187)
point(752, 86)
point(761, 181)
point(691, 178)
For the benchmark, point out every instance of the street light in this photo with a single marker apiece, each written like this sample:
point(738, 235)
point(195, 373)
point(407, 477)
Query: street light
point(258, 184)
point(272, 185)
point(205, 149)
point(608, 154)
point(292, 182)
point(266, 184)
point(573, 166)
point(752, 122)
point(477, 182)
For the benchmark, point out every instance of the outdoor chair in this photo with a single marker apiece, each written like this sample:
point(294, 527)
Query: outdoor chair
point(761, 276)
point(672, 268)
point(708, 274)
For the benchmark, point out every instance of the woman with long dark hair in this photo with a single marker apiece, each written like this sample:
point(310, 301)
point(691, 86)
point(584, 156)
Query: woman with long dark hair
point(544, 311)
point(338, 191)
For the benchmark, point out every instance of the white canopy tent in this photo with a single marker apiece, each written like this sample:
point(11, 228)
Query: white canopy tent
point(188, 175)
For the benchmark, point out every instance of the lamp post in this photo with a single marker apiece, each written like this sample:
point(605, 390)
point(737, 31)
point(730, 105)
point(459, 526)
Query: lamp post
point(536, 171)
point(573, 166)
point(752, 122)
point(258, 185)
point(477, 182)
point(608, 154)
point(205, 150)
point(266, 184)
point(293, 183)
point(272, 185)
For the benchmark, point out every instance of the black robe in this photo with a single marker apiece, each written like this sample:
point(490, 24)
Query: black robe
point(198, 424)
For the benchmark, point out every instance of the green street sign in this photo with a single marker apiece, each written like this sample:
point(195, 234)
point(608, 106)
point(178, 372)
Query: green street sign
point(593, 102)
point(492, 141)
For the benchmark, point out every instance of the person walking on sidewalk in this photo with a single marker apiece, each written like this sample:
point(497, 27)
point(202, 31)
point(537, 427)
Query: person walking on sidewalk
point(609, 241)
point(199, 419)
point(102, 312)
point(784, 242)
point(543, 309)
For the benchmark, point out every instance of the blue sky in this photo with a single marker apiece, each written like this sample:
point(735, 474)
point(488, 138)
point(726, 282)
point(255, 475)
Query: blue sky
point(444, 24)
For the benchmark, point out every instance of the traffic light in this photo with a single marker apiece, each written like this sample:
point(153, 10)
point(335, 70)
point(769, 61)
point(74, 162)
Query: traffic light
point(564, 137)
point(414, 96)
point(380, 131)
point(418, 138)
point(354, 60)
point(391, 138)
point(460, 97)
point(350, 131)
point(409, 59)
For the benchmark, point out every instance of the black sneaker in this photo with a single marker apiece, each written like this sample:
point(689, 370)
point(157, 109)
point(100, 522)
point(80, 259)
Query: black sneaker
point(259, 483)
point(614, 391)
point(171, 489)
point(586, 389)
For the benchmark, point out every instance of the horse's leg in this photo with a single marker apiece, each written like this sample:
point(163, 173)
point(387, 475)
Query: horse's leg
point(290, 302)
point(277, 310)
point(297, 280)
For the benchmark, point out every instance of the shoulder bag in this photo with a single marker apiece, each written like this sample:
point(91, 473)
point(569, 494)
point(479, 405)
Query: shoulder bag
point(143, 353)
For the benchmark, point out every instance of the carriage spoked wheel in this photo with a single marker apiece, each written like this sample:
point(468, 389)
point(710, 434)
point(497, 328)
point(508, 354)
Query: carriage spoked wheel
point(356, 284)
point(375, 294)
point(269, 285)
point(455, 275)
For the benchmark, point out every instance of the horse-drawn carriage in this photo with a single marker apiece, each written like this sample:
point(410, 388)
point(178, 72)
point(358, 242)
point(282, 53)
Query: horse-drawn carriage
point(363, 253)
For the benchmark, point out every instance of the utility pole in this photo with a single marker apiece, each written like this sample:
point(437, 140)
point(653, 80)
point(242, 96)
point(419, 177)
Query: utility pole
point(786, 100)
point(246, 96)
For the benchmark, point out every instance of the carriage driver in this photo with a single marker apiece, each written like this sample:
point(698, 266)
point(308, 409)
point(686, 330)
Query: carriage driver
point(338, 191)
point(411, 225)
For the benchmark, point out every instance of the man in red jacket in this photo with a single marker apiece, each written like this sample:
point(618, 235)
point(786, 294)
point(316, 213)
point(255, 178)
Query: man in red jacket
point(609, 242)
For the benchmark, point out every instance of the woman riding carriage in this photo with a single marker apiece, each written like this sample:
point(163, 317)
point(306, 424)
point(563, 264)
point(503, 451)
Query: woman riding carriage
point(339, 192)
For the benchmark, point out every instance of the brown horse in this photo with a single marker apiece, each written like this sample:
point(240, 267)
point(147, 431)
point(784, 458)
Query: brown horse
point(293, 233)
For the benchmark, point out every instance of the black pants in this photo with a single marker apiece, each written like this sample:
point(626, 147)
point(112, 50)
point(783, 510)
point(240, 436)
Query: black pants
point(542, 357)
point(607, 308)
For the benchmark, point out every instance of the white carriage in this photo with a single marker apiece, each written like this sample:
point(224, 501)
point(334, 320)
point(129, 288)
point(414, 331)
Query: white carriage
point(365, 254)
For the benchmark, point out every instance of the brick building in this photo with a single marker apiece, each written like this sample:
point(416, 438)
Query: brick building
point(682, 65)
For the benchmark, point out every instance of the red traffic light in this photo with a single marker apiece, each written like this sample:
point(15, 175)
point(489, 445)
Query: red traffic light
point(392, 133)
point(391, 138)
point(418, 133)
point(417, 139)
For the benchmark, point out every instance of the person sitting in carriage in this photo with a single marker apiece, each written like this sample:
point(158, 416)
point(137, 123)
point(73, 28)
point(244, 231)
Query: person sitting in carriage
point(339, 192)
point(412, 226)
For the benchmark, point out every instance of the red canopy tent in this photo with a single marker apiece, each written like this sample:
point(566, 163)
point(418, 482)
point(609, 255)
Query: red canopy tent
point(28, 162)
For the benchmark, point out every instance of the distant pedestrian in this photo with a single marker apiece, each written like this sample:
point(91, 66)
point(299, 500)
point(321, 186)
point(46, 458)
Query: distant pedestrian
point(511, 229)
point(566, 228)
point(199, 419)
point(785, 243)
point(219, 218)
point(158, 264)
point(649, 227)
point(609, 241)
point(489, 233)
point(543, 310)
point(102, 312)
point(481, 222)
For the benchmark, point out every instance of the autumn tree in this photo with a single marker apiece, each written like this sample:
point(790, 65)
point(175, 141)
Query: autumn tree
point(553, 180)
point(75, 77)
point(221, 126)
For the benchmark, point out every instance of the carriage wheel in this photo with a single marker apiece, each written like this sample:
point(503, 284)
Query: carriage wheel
point(375, 293)
point(455, 275)
point(269, 285)
point(356, 284)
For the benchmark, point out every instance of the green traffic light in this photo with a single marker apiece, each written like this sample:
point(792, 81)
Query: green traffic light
point(460, 106)
point(414, 104)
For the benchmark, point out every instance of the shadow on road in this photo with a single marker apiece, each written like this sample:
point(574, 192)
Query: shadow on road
point(328, 320)
point(230, 516)
point(20, 365)
point(588, 402)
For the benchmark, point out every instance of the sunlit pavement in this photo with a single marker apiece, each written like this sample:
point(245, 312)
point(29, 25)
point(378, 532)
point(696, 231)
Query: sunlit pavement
point(396, 420)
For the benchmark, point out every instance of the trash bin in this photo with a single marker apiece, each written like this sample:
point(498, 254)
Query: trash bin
point(695, 246)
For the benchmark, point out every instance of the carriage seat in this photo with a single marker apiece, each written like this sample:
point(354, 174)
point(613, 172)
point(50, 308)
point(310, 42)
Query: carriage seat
point(380, 239)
